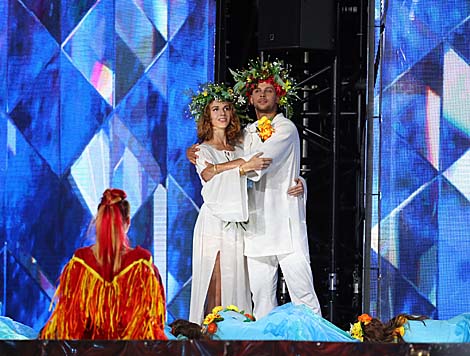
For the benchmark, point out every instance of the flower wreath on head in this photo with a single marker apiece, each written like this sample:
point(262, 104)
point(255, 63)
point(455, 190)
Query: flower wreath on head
point(275, 73)
point(212, 91)
point(209, 325)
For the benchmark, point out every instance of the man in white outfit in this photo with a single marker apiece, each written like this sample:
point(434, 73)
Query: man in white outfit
point(276, 230)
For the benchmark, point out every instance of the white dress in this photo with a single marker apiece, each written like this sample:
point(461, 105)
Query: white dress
point(225, 202)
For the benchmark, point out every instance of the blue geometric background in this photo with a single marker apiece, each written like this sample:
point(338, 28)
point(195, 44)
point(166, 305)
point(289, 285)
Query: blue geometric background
point(92, 95)
point(420, 239)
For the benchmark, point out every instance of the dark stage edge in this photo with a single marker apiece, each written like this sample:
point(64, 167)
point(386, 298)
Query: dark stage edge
point(239, 348)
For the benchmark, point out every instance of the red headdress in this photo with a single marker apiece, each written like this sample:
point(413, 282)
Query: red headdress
point(111, 239)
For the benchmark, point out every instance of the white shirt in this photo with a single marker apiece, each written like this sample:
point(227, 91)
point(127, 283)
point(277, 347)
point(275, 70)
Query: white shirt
point(275, 218)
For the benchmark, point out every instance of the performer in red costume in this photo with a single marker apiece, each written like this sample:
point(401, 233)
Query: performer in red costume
point(109, 290)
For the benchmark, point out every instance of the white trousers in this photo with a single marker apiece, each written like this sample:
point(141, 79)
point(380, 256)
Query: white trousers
point(263, 275)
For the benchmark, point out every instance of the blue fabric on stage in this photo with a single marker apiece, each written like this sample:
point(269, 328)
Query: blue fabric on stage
point(13, 330)
point(295, 323)
point(286, 322)
point(169, 335)
point(456, 329)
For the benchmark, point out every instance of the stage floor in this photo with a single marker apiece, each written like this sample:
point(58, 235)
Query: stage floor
point(215, 348)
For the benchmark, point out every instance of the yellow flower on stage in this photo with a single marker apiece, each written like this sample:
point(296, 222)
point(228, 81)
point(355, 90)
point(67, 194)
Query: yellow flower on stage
point(211, 317)
point(356, 331)
point(233, 308)
point(208, 319)
point(209, 325)
point(217, 309)
point(400, 331)
point(264, 128)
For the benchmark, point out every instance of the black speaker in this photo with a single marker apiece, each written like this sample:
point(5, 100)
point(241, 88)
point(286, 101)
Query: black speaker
point(307, 24)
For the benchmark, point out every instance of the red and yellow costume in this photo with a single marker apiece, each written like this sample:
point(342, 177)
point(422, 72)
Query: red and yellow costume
point(128, 305)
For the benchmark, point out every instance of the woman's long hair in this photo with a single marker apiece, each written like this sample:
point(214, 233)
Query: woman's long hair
point(111, 238)
point(205, 131)
point(377, 332)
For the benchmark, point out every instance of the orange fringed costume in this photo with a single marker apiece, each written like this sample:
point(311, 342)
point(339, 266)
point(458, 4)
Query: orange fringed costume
point(131, 306)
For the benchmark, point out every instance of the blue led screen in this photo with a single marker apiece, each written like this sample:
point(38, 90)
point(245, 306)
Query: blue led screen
point(420, 235)
point(92, 95)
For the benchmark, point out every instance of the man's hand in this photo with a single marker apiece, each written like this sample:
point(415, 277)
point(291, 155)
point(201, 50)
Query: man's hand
point(257, 163)
point(191, 153)
point(297, 190)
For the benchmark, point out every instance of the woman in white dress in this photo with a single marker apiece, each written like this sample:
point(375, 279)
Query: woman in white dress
point(219, 266)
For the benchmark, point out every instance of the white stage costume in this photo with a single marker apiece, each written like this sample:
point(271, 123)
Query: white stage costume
point(225, 200)
point(277, 229)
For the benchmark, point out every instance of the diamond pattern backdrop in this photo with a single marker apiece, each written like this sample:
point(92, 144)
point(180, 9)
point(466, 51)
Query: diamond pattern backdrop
point(92, 96)
point(420, 236)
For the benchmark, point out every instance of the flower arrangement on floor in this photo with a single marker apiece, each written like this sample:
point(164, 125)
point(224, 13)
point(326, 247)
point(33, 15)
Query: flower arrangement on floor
point(209, 325)
point(400, 330)
point(356, 330)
